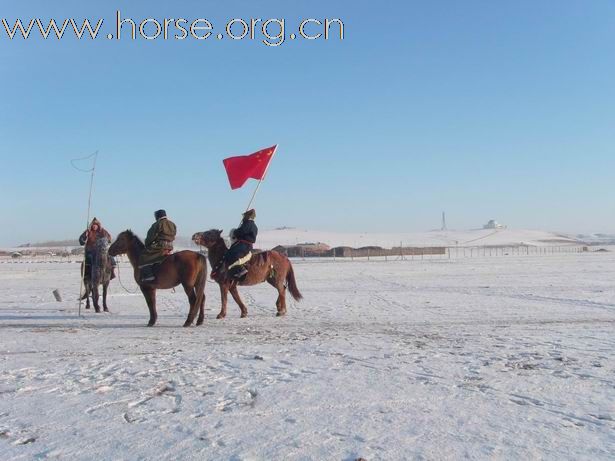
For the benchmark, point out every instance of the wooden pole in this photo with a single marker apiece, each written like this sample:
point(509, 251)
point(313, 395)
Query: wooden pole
point(261, 180)
point(87, 226)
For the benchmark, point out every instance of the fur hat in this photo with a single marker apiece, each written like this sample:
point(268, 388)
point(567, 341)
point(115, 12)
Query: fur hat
point(250, 214)
point(97, 222)
point(160, 214)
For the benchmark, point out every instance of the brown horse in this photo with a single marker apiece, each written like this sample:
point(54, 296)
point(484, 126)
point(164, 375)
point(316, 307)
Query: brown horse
point(269, 266)
point(185, 267)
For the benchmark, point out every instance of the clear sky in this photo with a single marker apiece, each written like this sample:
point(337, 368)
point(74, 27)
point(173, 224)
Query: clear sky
point(484, 109)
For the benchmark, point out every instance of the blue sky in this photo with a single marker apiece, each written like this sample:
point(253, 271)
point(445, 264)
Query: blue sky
point(484, 109)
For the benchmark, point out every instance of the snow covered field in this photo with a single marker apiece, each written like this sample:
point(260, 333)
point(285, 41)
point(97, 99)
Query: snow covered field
point(494, 358)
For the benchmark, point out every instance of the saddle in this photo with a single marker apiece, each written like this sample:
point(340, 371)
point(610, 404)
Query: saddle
point(246, 263)
point(149, 272)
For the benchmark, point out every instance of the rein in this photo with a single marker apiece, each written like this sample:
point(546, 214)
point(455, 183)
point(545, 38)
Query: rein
point(119, 279)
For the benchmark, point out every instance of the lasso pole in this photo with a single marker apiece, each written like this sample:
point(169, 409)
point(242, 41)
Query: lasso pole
point(87, 226)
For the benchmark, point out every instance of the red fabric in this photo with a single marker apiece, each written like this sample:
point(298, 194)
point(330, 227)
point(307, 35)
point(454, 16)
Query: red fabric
point(240, 169)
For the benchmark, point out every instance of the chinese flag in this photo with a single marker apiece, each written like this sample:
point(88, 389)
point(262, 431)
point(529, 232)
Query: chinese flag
point(240, 169)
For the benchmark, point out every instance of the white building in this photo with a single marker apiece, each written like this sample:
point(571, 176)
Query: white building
point(493, 224)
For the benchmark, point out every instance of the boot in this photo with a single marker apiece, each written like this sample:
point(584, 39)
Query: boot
point(239, 272)
point(112, 273)
point(147, 274)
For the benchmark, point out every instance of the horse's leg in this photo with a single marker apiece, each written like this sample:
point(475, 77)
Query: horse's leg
point(150, 298)
point(86, 296)
point(95, 297)
point(281, 301)
point(224, 299)
point(201, 318)
point(237, 298)
point(192, 298)
point(105, 288)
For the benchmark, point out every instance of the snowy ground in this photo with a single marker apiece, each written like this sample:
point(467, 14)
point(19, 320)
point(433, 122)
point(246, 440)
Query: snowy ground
point(495, 358)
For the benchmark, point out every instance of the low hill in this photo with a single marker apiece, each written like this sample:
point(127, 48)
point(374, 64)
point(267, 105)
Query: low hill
point(478, 237)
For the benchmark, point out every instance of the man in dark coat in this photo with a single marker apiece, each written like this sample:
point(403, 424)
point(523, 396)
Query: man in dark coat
point(89, 238)
point(158, 245)
point(244, 238)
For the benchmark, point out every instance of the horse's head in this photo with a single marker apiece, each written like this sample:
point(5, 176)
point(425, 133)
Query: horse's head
point(122, 243)
point(102, 247)
point(208, 238)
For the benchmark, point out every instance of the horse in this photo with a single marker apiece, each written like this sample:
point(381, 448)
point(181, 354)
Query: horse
point(99, 273)
point(187, 268)
point(268, 266)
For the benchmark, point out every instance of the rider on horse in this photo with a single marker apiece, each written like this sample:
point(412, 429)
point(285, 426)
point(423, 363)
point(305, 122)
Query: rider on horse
point(89, 238)
point(240, 252)
point(158, 245)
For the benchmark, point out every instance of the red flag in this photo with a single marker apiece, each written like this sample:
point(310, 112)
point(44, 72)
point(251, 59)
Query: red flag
point(240, 169)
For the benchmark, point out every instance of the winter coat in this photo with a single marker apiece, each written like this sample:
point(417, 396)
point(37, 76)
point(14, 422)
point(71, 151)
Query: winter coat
point(89, 238)
point(247, 232)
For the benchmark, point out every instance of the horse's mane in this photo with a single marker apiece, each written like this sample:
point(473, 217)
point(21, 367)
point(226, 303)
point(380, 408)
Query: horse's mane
point(135, 238)
point(220, 240)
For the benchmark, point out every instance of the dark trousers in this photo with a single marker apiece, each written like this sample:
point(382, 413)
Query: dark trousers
point(236, 252)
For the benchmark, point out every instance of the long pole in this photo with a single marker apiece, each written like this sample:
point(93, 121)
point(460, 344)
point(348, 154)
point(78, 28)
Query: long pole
point(87, 226)
point(261, 180)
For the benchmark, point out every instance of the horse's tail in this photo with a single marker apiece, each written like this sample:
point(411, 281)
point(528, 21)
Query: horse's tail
point(200, 281)
point(292, 284)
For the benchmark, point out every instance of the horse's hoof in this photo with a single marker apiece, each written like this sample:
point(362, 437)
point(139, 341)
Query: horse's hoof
point(151, 324)
point(98, 311)
point(187, 325)
point(243, 316)
point(200, 322)
point(220, 316)
point(280, 314)
point(106, 310)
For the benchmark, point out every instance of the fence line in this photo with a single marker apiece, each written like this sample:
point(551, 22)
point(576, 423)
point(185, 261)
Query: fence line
point(450, 253)
point(406, 254)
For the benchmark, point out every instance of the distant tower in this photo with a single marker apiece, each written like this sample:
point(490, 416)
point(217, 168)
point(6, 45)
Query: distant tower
point(444, 221)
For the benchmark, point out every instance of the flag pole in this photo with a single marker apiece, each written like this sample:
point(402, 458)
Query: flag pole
point(87, 226)
point(264, 176)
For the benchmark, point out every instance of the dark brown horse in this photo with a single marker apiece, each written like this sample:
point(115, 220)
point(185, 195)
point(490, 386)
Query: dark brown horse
point(269, 266)
point(185, 267)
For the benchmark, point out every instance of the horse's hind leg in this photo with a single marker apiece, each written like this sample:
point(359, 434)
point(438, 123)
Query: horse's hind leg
point(192, 298)
point(201, 318)
point(105, 289)
point(237, 298)
point(280, 303)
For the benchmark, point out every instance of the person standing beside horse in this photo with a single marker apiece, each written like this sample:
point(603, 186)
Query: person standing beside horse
point(158, 245)
point(89, 238)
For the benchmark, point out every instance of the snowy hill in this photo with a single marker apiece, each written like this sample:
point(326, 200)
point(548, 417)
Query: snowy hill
point(478, 237)
point(597, 239)
point(270, 238)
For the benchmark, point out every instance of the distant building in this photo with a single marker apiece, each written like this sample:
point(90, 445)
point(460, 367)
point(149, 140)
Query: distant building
point(304, 250)
point(493, 224)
